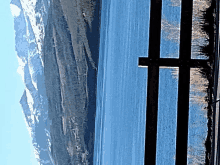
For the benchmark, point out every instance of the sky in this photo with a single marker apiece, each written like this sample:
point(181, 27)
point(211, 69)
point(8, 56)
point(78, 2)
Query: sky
point(15, 141)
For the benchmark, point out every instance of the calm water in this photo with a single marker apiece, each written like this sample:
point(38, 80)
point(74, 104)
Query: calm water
point(122, 87)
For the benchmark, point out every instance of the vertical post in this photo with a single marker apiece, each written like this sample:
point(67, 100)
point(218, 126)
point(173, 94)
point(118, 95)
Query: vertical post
point(153, 78)
point(184, 82)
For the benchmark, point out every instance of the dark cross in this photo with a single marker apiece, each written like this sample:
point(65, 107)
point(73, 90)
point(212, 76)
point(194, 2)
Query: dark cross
point(184, 63)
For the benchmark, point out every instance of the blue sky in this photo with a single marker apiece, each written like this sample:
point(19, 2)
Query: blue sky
point(15, 141)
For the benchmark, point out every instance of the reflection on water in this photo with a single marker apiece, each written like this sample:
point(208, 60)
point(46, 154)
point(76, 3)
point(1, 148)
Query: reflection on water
point(197, 85)
point(197, 131)
point(167, 116)
point(199, 37)
point(170, 29)
point(197, 118)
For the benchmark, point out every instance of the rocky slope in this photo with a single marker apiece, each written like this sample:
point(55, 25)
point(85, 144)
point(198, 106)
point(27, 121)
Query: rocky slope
point(57, 45)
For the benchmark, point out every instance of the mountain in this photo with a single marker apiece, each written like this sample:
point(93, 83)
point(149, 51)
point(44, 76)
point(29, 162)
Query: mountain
point(57, 45)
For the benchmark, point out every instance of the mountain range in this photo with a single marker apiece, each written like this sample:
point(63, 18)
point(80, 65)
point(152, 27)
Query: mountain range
point(57, 45)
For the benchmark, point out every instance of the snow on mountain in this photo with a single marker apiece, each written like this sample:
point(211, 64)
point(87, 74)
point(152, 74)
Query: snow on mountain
point(57, 45)
point(29, 21)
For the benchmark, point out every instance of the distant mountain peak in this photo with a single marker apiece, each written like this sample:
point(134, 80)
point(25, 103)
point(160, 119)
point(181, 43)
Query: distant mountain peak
point(29, 33)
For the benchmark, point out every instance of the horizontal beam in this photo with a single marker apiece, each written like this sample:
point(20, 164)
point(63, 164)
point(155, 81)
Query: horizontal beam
point(172, 62)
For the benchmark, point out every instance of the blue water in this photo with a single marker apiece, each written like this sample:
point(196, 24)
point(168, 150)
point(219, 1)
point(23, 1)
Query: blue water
point(167, 118)
point(121, 97)
point(170, 30)
point(122, 86)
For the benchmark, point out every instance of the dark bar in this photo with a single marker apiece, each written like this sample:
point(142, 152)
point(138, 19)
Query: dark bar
point(182, 115)
point(152, 109)
point(184, 82)
point(152, 86)
point(171, 62)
